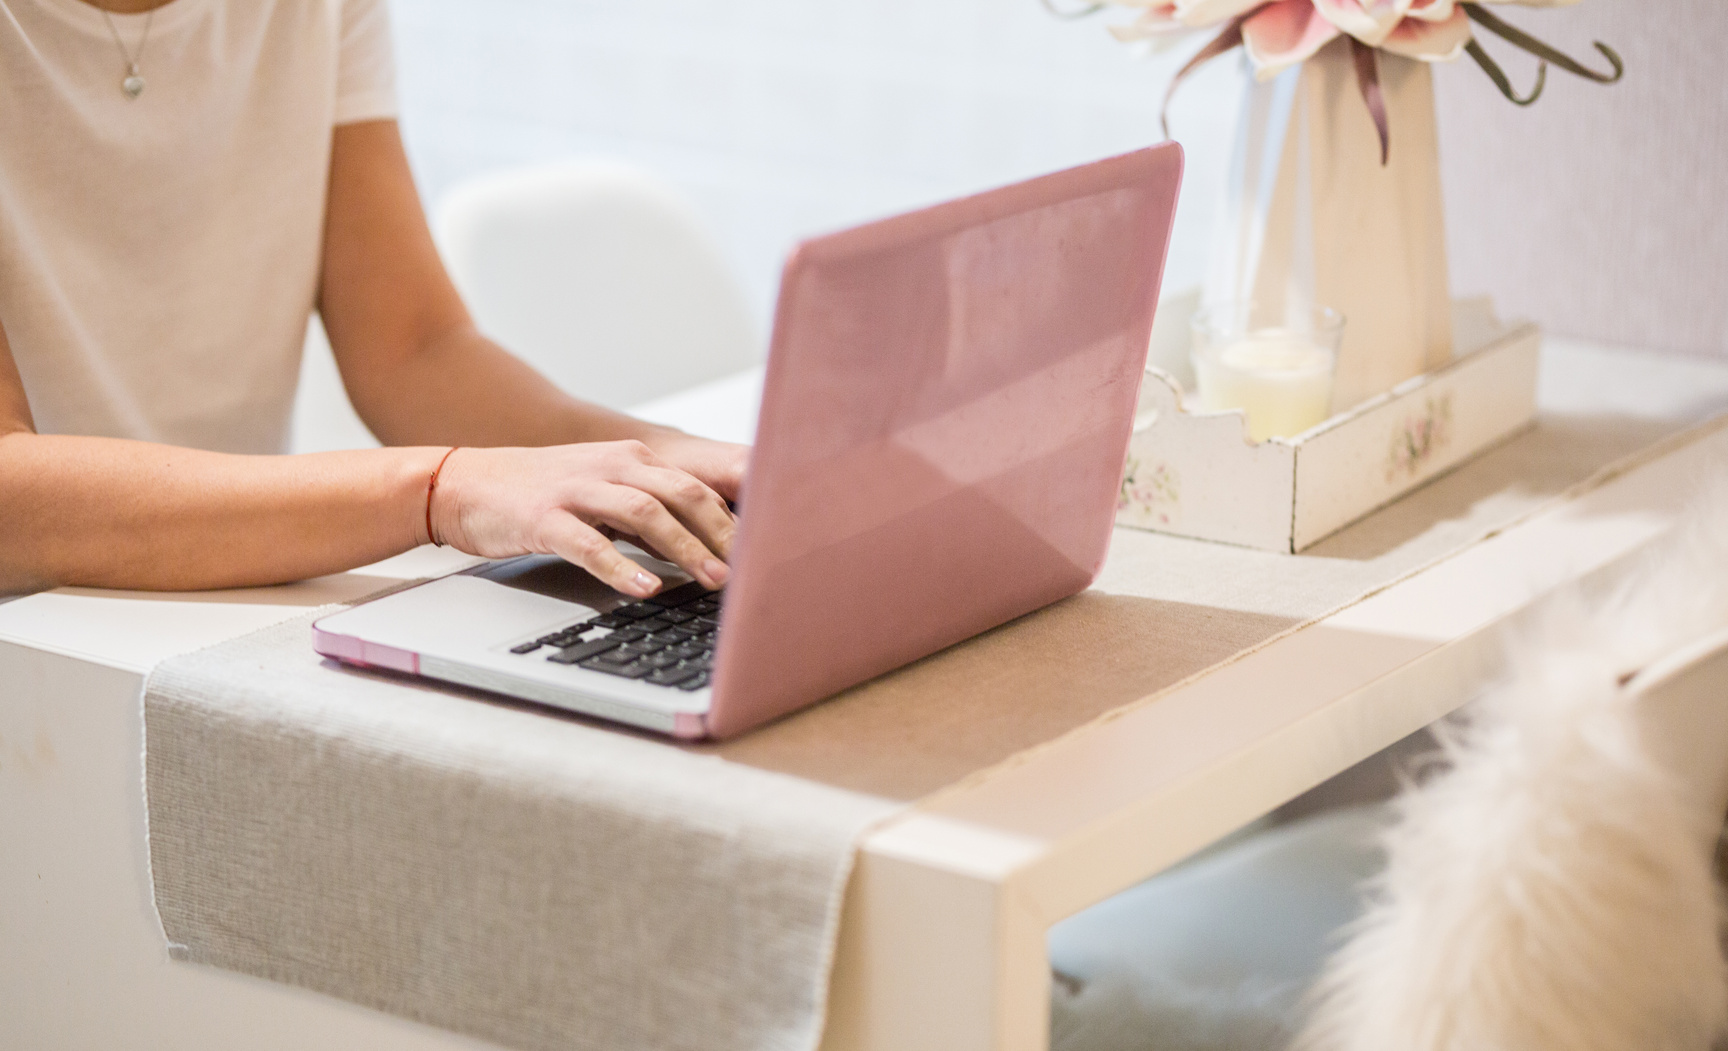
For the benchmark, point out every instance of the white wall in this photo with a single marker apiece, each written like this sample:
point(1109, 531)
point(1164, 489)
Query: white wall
point(1599, 211)
point(1595, 211)
point(784, 118)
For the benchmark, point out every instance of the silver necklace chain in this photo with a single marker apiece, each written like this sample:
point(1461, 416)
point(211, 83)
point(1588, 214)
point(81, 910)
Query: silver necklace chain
point(133, 84)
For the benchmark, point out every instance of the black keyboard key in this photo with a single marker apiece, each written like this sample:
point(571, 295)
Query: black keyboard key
point(673, 676)
point(695, 682)
point(633, 670)
point(677, 616)
point(567, 636)
point(703, 608)
point(651, 625)
point(630, 634)
point(677, 596)
point(606, 621)
point(707, 621)
point(584, 650)
point(528, 647)
point(635, 611)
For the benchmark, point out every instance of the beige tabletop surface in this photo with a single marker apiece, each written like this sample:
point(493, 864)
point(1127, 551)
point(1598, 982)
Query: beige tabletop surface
point(1166, 608)
point(1163, 609)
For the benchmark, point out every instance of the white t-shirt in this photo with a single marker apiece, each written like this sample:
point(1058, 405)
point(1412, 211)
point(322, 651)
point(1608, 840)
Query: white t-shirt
point(159, 256)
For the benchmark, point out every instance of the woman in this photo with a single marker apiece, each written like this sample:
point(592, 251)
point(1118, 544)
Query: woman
point(181, 183)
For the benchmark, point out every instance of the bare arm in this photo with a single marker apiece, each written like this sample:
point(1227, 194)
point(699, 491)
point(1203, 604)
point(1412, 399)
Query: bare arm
point(416, 369)
point(105, 512)
point(130, 514)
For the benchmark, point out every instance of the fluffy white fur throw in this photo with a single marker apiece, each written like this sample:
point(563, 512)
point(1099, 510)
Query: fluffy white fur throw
point(1551, 886)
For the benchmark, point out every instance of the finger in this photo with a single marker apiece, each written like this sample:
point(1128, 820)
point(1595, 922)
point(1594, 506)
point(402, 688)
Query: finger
point(726, 475)
point(632, 510)
point(575, 541)
point(725, 478)
point(718, 465)
point(702, 510)
point(639, 543)
point(634, 541)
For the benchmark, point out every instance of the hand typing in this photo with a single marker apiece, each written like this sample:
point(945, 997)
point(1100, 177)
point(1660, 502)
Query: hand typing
point(573, 500)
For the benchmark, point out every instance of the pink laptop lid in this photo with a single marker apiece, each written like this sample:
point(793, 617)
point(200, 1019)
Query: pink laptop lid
point(947, 411)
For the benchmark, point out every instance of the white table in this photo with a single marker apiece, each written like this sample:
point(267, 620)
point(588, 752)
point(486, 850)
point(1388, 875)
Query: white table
point(1021, 818)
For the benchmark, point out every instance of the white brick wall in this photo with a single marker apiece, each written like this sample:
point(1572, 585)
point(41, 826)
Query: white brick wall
point(783, 118)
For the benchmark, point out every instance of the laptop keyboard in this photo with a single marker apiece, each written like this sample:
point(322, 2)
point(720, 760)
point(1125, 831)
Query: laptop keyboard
point(667, 640)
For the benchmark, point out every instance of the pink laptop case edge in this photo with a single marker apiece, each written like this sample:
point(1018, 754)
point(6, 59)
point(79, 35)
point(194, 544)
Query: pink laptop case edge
point(987, 353)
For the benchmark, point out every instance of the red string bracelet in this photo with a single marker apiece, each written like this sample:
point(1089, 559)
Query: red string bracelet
point(431, 487)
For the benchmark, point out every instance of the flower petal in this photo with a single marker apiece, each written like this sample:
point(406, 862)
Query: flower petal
point(1155, 29)
point(1430, 41)
point(1370, 21)
point(1210, 12)
point(1158, 20)
point(1283, 34)
point(1432, 10)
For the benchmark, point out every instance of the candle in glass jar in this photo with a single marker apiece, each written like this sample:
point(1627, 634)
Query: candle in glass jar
point(1282, 380)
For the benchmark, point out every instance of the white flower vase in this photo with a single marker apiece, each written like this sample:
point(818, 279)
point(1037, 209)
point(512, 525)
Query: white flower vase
point(1312, 217)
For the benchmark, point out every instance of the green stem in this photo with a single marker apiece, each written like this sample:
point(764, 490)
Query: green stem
point(1498, 75)
point(1518, 38)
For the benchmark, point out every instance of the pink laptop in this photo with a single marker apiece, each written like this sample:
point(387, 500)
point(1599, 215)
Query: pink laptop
point(941, 441)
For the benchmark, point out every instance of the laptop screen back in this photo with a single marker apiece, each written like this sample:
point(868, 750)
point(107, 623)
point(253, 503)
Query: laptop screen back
point(947, 410)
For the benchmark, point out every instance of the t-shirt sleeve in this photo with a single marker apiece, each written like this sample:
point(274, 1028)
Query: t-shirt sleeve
point(366, 65)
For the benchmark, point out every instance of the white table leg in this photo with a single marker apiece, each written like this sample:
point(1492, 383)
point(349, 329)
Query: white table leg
point(938, 950)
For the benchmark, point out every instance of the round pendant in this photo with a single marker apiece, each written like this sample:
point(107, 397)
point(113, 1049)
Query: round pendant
point(133, 86)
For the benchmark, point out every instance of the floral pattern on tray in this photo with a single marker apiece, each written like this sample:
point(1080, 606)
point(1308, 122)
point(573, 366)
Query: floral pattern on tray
point(1152, 494)
point(1422, 435)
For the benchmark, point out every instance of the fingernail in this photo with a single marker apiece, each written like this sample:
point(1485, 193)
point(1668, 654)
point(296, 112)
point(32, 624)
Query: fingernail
point(644, 584)
point(716, 570)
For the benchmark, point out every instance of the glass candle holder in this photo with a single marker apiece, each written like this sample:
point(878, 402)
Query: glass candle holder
point(1278, 371)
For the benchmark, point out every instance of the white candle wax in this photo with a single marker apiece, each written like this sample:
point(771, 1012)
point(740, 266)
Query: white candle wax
point(1282, 381)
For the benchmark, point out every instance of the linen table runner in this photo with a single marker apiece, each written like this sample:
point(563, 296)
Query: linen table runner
point(536, 881)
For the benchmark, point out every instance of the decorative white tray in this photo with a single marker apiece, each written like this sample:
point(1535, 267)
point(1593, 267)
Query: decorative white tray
point(1196, 474)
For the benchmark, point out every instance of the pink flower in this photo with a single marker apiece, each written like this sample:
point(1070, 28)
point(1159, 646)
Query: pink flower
point(1279, 34)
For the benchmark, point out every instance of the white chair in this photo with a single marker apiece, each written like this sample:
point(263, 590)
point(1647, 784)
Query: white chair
point(600, 276)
